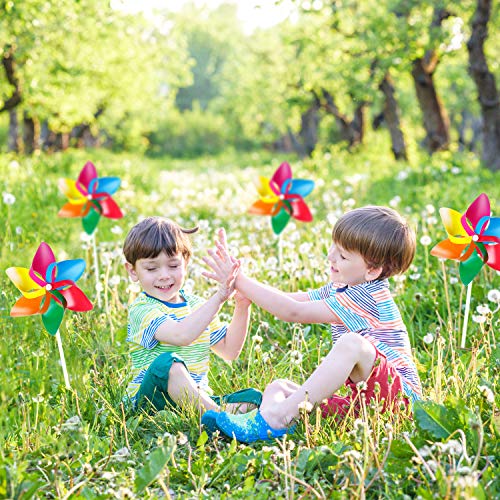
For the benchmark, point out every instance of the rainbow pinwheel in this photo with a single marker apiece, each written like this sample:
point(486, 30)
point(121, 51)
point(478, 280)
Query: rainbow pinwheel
point(48, 288)
point(90, 197)
point(282, 197)
point(473, 238)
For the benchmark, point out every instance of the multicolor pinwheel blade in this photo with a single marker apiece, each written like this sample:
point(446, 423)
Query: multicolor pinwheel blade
point(48, 288)
point(282, 198)
point(90, 197)
point(473, 238)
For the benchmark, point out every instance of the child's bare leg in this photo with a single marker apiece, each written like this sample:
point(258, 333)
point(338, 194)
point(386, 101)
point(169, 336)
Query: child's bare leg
point(352, 356)
point(183, 389)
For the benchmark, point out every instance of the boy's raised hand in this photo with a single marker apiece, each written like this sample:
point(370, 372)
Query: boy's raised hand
point(224, 269)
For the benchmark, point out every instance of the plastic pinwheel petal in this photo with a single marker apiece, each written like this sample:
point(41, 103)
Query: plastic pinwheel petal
point(108, 185)
point(72, 210)
point(493, 228)
point(87, 174)
point(43, 257)
point(300, 210)
point(470, 268)
point(52, 318)
point(70, 189)
point(70, 269)
point(282, 174)
point(25, 284)
point(110, 209)
point(280, 220)
point(91, 220)
point(75, 299)
point(479, 208)
point(266, 194)
point(452, 221)
point(493, 256)
point(262, 208)
point(301, 187)
point(28, 307)
point(448, 250)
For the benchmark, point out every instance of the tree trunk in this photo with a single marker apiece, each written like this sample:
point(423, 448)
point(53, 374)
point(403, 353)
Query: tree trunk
point(358, 125)
point(486, 85)
point(9, 66)
point(14, 142)
point(391, 116)
point(31, 134)
point(436, 122)
point(352, 131)
point(309, 128)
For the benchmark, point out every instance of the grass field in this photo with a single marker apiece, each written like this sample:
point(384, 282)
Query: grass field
point(82, 443)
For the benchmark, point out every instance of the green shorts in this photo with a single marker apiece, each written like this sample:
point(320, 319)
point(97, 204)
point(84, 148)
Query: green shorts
point(153, 392)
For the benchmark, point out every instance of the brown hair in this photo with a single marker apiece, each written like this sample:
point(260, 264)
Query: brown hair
point(380, 235)
point(154, 235)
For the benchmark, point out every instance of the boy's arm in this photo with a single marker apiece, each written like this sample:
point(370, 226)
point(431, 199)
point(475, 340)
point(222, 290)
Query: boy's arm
point(184, 332)
point(283, 305)
point(229, 348)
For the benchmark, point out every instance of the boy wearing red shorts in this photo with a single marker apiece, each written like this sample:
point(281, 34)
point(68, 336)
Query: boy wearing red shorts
point(371, 351)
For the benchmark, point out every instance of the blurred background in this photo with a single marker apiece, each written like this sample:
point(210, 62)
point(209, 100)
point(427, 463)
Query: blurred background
point(186, 79)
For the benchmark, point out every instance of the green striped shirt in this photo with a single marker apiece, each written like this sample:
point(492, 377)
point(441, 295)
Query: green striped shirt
point(145, 316)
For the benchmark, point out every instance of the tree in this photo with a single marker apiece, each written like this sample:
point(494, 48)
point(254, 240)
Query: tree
point(60, 78)
point(486, 86)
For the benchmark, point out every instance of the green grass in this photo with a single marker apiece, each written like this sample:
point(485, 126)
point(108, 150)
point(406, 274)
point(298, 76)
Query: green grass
point(81, 443)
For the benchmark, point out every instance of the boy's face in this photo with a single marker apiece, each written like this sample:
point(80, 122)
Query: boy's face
point(350, 268)
point(161, 277)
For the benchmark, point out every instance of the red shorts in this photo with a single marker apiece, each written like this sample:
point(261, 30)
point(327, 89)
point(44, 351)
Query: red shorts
point(391, 391)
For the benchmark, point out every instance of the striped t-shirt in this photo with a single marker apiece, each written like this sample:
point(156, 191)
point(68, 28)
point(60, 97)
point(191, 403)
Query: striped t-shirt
point(369, 309)
point(145, 316)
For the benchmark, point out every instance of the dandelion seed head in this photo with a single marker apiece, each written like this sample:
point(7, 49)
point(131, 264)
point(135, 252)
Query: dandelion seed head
point(8, 198)
point(425, 240)
point(428, 338)
point(494, 296)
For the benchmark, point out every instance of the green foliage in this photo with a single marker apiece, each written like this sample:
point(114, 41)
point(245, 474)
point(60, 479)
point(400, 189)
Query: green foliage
point(189, 134)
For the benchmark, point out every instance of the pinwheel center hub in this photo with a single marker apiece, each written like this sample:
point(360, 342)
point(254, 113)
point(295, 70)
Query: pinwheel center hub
point(475, 237)
point(48, 286)
point(89, 197)
point(281, 196)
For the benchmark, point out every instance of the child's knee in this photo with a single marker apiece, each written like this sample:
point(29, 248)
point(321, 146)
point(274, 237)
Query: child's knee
point(177, 369)
point(354, 344)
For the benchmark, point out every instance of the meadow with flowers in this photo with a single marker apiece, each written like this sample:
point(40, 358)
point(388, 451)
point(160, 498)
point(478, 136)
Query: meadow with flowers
point(83, 443)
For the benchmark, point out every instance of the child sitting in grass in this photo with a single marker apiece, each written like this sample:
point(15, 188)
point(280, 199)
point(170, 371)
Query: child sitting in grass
point(171, 332)
point(371, 352)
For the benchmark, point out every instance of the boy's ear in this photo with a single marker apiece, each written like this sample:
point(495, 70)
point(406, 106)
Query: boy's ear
point(373, 273)
point(131, 271)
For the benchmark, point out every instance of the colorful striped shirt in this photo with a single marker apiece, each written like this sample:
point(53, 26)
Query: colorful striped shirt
point(145, 316)
point(370, 310)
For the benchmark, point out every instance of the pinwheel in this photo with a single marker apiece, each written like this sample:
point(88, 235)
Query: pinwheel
point(282, 197)
point(473, 240)
point(89, 198)
point(48, 288)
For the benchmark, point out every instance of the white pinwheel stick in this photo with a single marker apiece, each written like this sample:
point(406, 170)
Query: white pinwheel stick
point(63, 360)
point(466, 315)
point(96, 270)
